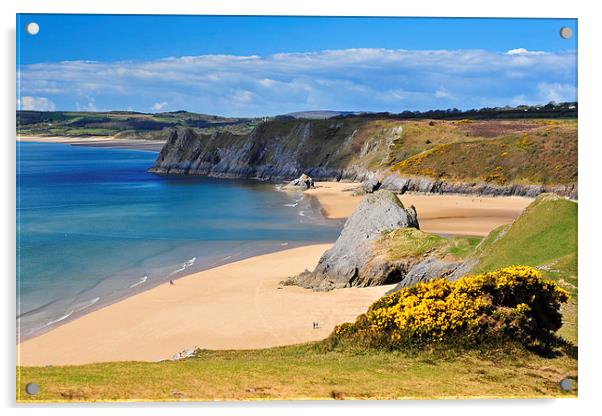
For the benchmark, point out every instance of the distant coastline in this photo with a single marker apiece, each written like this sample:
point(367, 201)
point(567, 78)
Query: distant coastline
point(98, 141)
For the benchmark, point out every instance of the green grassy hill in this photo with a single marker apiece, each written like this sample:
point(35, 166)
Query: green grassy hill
point(126, 124)
point(544, 237)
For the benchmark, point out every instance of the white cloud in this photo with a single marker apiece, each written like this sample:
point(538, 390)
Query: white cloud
point(159, 106)
point(28, 102)
point(517, 51)
point(442, 93)
point(352, 79)
point(242, 97)
point(523, 51)
point(557, 92)
point(89, 106)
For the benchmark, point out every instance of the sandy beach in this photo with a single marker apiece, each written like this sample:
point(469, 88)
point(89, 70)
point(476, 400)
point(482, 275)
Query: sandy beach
point(237, 306)
point(242, 305)
point(97, 141)
point(440, 214)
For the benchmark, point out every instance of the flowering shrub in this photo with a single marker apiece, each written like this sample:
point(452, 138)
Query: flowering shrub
point(513, 302)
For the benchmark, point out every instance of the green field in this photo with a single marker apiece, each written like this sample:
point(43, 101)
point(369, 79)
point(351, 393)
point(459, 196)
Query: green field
point(310, 371)
point(124, 124)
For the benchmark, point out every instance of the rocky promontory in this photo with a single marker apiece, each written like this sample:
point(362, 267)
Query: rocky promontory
point(350, 261)
point(381, 243)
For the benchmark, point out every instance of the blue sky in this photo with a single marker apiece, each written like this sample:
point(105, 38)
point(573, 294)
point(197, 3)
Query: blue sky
point(252, 66)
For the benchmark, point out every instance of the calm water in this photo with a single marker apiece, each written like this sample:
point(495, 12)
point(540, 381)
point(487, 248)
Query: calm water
point(93, 226)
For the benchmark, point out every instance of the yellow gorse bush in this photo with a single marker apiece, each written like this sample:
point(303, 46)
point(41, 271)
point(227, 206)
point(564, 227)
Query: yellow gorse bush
point(514, 301)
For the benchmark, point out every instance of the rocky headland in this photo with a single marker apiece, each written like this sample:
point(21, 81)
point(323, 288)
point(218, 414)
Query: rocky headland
point(490, 157)
point(361, 256)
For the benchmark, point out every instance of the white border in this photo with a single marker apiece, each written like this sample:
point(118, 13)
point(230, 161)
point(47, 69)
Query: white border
point(590, 155)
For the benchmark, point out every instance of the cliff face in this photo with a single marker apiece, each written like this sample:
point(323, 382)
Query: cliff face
point(400, 184)
point(481, 157)
point(284, 149)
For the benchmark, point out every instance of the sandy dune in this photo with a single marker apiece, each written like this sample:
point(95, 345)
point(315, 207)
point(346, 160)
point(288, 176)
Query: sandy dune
point(441, 214)
point(239, 305)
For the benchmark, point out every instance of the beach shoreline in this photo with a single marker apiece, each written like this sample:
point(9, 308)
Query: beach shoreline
point(451, 215)
point(241, 305)
point(97, 141)
point(146, 284)
point(63, 344)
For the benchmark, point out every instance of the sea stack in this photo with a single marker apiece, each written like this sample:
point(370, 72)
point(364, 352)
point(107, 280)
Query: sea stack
point(302, 183)
point(348, 263)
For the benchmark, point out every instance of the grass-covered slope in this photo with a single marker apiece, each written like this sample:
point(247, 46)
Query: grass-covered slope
point(309, 372)
point(544, 153)
point(544, 237)
point(413, 243)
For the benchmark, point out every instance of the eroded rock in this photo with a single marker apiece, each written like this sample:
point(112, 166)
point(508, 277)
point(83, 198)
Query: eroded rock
point(302, 183)
point(351, 261)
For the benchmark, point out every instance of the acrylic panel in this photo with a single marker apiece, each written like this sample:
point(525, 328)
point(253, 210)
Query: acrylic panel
point(292, 208)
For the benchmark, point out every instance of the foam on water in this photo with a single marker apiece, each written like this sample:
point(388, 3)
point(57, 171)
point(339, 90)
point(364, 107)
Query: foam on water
point(183, 266)
point(143, 279)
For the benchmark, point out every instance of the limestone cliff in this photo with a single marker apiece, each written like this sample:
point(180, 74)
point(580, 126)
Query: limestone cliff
point(284, 149)
point(481, 157)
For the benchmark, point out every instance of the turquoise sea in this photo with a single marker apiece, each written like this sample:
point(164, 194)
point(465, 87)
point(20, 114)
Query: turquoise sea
point(93, 226)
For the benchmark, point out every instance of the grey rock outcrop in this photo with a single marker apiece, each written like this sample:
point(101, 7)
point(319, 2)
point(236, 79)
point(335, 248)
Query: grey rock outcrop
point(351, 261)
point(371, 185)
point(302, 183)
point(423, 184)
point(184, 354)
point(433, 268)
